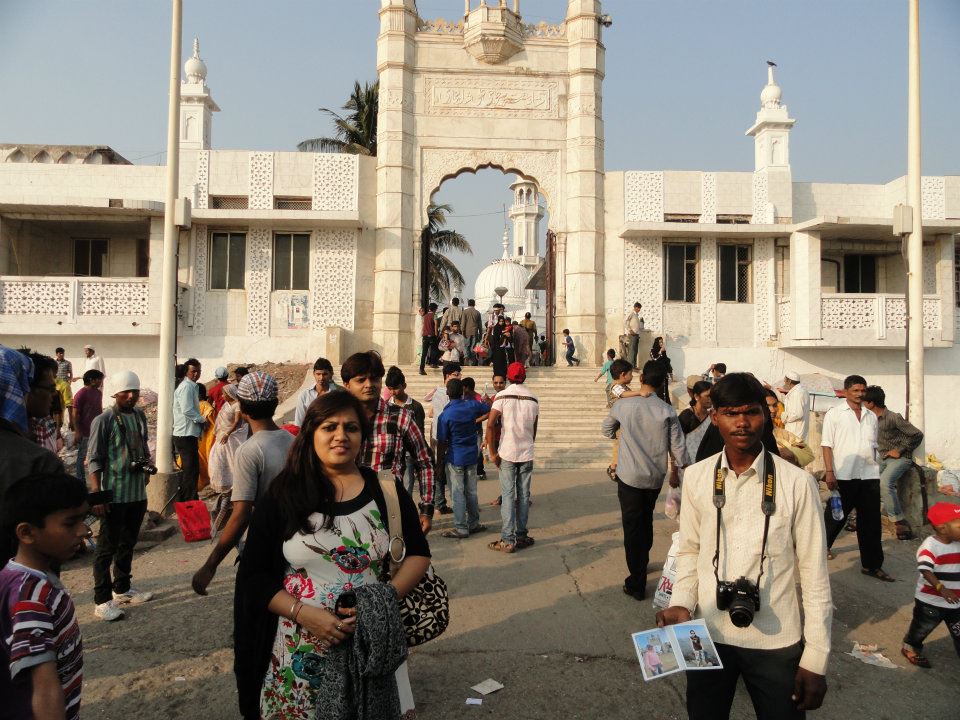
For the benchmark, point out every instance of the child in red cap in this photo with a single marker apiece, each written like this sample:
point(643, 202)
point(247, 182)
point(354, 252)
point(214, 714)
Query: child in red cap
point(938, 587)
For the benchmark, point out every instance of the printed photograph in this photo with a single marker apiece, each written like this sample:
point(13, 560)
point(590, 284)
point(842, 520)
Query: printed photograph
point(656, 653)
point(696, 646)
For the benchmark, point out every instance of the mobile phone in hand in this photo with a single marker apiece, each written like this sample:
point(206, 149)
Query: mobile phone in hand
point(346, 601)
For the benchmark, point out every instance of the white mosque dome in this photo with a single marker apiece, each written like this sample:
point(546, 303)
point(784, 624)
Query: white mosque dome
point(502, 273)
point(195, 69)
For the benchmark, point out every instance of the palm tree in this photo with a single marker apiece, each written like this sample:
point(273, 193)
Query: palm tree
point(357, 132)
point(441, 277)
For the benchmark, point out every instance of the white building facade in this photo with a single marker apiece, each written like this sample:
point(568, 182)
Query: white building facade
point(285, 256)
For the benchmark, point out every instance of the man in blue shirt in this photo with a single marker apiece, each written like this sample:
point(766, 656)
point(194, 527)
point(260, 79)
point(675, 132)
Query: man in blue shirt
point(457, 433)
point(187, 427)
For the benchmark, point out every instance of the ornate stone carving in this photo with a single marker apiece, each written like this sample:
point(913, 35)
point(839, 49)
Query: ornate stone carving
point(261, 181)
point(585, 104)
point(763, 289)
point(492, 34)
point(643, 196)
point(643, 279)
point(333, 263)
point(257, 282)
point(932, 317)
point(335, 182)
point(394, 99)
point(846, 313)
point(111, 297)
point(895, 313)
point(708, 290)
point(763, 210)
point(200, 279)
point(708, 197)
point(543, 166)
point(785, 320)
point(544, 29)
point(929, 269)
point(35, 297)
point(203, 179)
point(933, 198)
point(491, 97)
point(440, 26)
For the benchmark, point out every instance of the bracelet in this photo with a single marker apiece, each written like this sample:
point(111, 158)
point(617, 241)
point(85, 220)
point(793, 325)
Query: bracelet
point(938, 587)
point(292, 608)
point(297, 613)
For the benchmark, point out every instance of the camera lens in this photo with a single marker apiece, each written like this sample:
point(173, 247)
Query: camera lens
point(741, 614)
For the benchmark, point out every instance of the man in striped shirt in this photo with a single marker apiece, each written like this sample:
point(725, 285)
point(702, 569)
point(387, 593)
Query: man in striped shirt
point(394, 432)
point(40, 646)
point(117, 445)
point(938, 588)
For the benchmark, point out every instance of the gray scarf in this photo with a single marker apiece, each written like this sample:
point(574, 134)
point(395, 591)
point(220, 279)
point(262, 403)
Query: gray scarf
point(357, 680)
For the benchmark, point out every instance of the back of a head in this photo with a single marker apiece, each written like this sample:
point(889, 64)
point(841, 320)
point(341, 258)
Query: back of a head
point(721, 368)
point(875, 395)
point(33, 498)
point(241, 371)
point(323, 364)
point(394, 378)
point(469, 384)
point(454, 389)
point(456, 302)
point(471, 302)
point(611, 353)
point(91, 376)
point(432, 307)
point(701, 386)
point(362, 364)
point(737, 390)
point(654, 374)
point(526, 316)
point(42, 364)
point(851, 380)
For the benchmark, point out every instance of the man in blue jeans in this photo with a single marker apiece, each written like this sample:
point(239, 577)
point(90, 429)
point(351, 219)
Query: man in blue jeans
point(457, 434)
point(897, 440)
point(518, 411)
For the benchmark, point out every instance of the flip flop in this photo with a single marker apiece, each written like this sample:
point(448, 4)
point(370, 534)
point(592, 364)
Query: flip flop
point(915, 658)
point(879, 574)
point(478, 528)
point(524, 542)
point(453, 534)
point(501, 546)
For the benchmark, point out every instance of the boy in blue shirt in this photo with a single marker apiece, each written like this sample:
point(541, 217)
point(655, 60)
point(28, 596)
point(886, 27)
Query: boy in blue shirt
point(457, 432)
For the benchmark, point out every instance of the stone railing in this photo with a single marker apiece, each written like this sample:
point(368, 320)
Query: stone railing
point(75, 297)
point(544, 30)
point(440, 26)
point(881, 312)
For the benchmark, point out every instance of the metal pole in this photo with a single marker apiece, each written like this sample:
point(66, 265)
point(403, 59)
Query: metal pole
point(171, 238)
point(915, 237)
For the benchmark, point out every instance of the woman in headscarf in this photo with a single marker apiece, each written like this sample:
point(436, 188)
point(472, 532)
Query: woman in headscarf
point(319, 532)
point(658, 353)
point(230, 431)
point(498, 347)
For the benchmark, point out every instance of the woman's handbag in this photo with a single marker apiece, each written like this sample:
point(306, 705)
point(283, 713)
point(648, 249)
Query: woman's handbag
point(425, 610)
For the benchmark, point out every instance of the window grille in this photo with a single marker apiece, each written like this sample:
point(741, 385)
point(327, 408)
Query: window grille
point(859, 273)
point(733, 219)
point(734, 273)
point(227, 259)
point(292, 203)
point(291, 261)
point(229, 202)
point(680, 273)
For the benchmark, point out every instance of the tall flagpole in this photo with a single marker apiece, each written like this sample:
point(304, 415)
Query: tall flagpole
point(915, 237)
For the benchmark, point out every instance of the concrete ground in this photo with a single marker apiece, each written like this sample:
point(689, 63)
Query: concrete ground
point(550, 623)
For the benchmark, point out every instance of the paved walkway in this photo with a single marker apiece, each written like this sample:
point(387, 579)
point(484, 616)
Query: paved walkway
point(549, 622)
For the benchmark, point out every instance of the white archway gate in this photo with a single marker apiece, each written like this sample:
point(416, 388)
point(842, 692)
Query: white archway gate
point(490, 91)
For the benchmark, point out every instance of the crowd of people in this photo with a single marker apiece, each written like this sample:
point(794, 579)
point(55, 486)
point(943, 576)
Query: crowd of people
point(308, 507)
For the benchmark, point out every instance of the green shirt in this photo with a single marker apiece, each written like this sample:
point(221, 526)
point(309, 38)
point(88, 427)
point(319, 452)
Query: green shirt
point(118, 475)
point(605, 369)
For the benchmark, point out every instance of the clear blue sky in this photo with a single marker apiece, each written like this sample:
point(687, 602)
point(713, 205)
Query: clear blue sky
point(682, 84)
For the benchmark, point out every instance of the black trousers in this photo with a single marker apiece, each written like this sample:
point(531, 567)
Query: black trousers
point(636, 513)
point(769, 677)
point(864, 495)
point(925, 620)
point(119, 530)
point(189, 450)
point(426, 350)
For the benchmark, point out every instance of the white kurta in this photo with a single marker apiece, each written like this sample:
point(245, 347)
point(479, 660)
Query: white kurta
point(796, 411)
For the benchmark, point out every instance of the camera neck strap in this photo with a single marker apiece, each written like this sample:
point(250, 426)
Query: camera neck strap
point(768, 505)
point(135, 448)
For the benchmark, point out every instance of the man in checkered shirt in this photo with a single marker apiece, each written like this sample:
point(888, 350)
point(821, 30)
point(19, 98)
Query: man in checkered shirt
point(394, 433)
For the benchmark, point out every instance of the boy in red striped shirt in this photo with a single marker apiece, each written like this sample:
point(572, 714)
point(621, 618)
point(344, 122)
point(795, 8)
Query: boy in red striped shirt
point(938, 587)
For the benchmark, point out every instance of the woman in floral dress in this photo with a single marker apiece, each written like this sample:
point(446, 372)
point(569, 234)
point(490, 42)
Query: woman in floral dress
point(318, 532)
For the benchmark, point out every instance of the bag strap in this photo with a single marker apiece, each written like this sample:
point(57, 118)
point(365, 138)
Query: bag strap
point(397, 548)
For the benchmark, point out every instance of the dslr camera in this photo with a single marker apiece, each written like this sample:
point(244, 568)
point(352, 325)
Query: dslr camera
point(740, 598)
point(143, 465)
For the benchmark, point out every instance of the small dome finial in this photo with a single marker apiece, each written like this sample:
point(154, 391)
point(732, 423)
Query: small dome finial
point(771, 93)
point(195, 69)
point(506, 244)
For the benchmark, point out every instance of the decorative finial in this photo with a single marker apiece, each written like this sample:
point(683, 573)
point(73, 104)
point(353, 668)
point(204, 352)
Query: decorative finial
point(195, 69)
point(771, 93)
point(196, 47)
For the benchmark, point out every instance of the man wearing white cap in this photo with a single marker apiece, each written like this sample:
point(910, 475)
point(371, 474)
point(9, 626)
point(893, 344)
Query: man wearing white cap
point(796, 406)
point(118, 460)
point(93, 361)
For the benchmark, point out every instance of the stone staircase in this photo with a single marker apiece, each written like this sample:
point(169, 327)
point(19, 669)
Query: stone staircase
point(572, 407)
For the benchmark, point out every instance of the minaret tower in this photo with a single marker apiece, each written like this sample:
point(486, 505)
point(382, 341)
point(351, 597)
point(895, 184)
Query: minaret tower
point(196, 104)
point(526, 214)
point(771, 131)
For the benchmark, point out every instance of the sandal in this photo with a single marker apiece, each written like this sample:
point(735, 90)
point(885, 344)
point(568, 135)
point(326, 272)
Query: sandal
point(524, 542)
point(879, 574)
point(501, 546)
point(453, 534)
point(612, 472)
point(915, 658)
point(478, 528)
point(904, 532)
point(497, 502)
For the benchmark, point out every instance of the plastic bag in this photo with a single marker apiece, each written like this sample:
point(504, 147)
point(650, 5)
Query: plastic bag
point(661, 598)
point(672, 505)
point(948, 482)
point(194, 520)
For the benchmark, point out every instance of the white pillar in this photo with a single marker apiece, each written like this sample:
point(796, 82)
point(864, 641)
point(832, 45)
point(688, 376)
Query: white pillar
point(166, 359)
point(915, 237)
point(805, 284)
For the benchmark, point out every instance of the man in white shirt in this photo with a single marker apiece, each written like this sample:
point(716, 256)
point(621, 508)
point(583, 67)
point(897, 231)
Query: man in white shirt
point(631, 328)
point(796, 406)
point(323, 383)
point(93, 361)
point(517, 411)
point(781, 657)
point(849, 444)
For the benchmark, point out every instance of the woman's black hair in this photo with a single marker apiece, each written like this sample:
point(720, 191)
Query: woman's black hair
point(654, 374)
point(767, 392)
point(201, 391)
point(701, 386)
point(657, 346)
point(737, 389)
point(302, 488)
